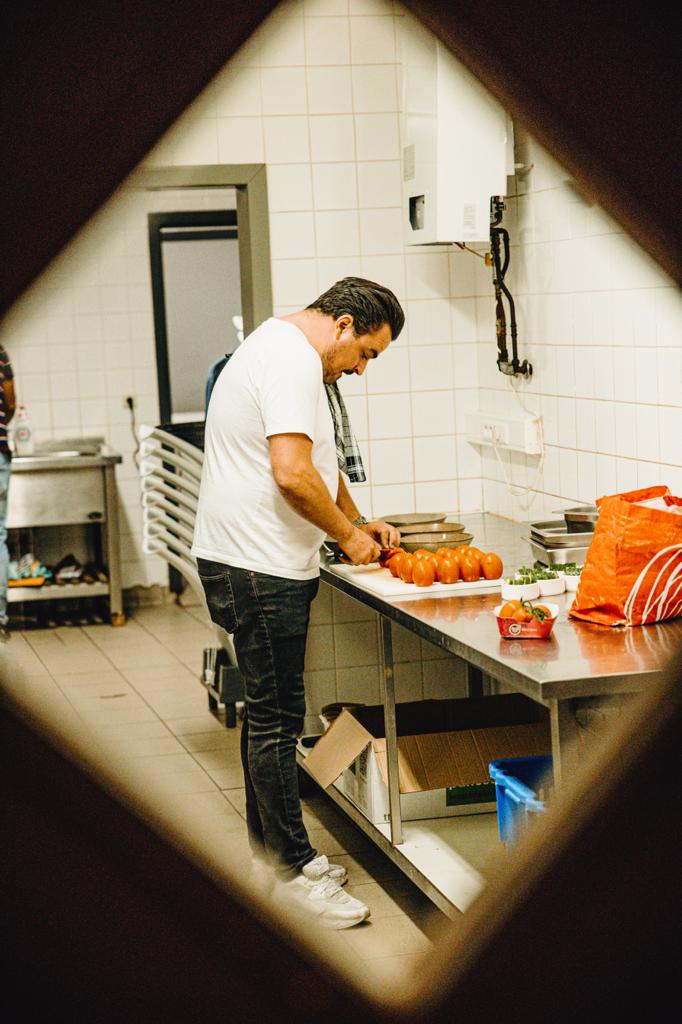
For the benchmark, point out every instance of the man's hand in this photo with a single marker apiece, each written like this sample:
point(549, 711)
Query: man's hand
point(359, 548)
point(385, 535)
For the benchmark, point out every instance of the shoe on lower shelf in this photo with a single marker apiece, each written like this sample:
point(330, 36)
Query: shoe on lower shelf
point(27, 571)
point(89, 573)
point(29, 581)
point(68, 570)
point(324, 901)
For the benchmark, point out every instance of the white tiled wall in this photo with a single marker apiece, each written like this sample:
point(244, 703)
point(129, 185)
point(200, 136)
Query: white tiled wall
point(83, 337)
point(602, 325)
point(342, 658)
point(314, 95)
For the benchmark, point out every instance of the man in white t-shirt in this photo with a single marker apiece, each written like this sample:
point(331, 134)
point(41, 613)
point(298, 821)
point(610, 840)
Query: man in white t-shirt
point(272, 488)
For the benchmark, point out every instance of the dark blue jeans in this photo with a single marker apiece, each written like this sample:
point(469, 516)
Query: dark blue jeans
point(268, 618)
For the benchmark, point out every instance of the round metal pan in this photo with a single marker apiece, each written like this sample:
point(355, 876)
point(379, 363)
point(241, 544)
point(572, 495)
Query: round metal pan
point(414, 518)
point(442, 526)
point(433, 541)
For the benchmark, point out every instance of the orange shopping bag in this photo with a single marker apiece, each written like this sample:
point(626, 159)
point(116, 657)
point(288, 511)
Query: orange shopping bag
point(633, 570)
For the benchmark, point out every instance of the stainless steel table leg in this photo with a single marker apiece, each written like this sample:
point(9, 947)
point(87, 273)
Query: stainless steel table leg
point(388, 701)
point(566, 746)
point(113, 551)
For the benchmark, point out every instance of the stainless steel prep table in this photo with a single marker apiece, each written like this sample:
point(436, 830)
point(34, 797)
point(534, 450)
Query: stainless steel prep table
point(64, 488)
point(578, 663)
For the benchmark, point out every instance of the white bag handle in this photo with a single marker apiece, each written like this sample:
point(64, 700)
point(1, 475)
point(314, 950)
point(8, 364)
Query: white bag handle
point(673, 601)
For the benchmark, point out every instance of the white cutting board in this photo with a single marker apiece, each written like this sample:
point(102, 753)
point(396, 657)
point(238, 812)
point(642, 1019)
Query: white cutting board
point(379, 581)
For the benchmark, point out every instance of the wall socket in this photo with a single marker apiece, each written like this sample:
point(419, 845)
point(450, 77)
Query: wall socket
point(129, 402)
point(521, 433)
point(495, 432)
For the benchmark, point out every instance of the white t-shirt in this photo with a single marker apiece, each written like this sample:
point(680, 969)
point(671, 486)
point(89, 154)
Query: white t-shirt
point(271, 385)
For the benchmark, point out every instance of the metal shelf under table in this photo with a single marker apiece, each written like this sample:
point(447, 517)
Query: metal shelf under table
point(56, 488)
point(441, 856)
point(56, 592)
point(581, 662)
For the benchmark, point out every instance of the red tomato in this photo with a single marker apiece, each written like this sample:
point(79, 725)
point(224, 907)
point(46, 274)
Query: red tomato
point(507, 610)
point(474, 556)
point(448, 569)
point(424, 555)
point(447, 552)
point(424, 572)
point(393, 564)
point(470, 568)
point(406, 568)
point(491, 566)
point(522, 614)
point(387, 554)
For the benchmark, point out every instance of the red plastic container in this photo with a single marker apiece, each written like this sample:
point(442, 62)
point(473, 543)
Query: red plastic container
point(533, 630)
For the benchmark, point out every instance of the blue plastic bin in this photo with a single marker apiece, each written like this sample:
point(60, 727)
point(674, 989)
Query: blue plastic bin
point(517, 780)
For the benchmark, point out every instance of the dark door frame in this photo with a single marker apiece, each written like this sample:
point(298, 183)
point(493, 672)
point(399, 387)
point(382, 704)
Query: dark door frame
point(250, 184)
point(206, 224)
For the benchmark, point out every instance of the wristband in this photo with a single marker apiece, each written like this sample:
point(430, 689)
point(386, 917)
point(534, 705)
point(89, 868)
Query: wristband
point(360, 521)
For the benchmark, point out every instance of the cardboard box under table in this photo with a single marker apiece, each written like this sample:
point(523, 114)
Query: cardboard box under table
point(444, 749)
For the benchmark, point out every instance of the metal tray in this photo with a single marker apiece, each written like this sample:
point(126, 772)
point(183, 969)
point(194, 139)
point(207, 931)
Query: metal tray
point(553, 534)
point(580, 518)
point(557, 556)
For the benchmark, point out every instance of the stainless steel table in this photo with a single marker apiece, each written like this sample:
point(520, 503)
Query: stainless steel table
point(63, 488)
point(577, 664)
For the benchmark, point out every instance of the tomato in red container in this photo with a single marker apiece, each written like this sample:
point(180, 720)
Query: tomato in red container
point(521, 620)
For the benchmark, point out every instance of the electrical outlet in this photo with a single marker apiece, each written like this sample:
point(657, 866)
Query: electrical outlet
point(129, 402)
point(495, 432)
point(522, 433)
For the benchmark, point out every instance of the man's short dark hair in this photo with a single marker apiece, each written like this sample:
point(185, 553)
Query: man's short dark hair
point(370, 305)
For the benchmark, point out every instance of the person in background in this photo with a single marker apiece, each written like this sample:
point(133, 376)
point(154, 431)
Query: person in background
point(219, 365)
point(7, 405)
point(278, 445)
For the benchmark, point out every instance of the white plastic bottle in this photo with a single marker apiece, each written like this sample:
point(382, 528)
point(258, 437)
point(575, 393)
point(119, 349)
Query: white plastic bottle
point(23, 433)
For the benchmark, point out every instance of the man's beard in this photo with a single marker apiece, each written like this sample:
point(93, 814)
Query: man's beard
point(329, 374)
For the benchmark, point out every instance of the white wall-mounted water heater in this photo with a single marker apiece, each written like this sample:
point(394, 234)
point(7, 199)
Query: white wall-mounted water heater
point(458, 143)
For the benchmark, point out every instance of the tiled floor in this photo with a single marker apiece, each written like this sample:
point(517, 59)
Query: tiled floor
point(137, 684)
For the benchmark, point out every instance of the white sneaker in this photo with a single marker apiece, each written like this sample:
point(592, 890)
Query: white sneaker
point(316, 870)
point(324, 900)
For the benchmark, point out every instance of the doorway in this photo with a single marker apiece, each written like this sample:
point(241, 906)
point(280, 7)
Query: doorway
point(253, 242)
point(196, 287)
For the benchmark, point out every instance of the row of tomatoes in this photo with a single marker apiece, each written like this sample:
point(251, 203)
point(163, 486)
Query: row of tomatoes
point(446, 565)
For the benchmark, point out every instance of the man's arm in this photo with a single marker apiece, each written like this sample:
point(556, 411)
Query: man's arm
point(10, 402)
point(303, 488)
point(386, 535)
